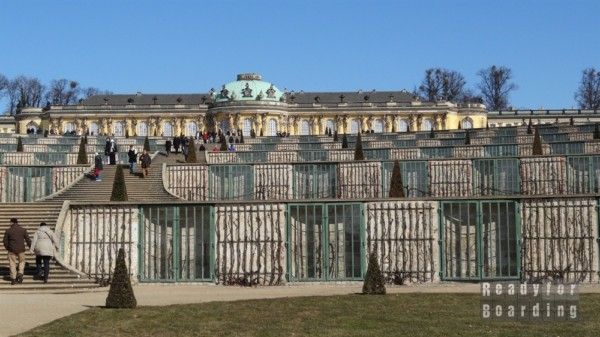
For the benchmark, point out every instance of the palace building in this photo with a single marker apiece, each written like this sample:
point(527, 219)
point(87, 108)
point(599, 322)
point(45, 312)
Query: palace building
point(250, 103)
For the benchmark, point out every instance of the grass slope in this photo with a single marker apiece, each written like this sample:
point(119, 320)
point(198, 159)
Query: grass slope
point(351, 315)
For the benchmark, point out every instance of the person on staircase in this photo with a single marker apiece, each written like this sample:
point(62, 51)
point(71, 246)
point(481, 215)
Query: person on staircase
point(168, 145)
point(14, 241)
point(132, 154)
point(176, 143)
point(107, 149)
point(43, 246)
point(145, 161)
point(113, 152)
point(98, 167)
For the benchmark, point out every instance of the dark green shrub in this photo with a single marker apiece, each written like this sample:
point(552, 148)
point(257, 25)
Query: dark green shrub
point(571, 121)
point(119, 190)
point(467, 138)
point(147, 144)
point(487, 126)
point(396, 185)
point(335, 136)
point(529, 127)
point(82, 155)
point(223, 144)
point(344, 142)
point(120, 294)
point(431, 133)
point(19, 144)
point(358, 149)
point(374, 283)
point(537, 144)
point(191, 157)
point(242, 138)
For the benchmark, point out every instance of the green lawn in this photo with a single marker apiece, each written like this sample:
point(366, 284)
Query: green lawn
point(351, 315)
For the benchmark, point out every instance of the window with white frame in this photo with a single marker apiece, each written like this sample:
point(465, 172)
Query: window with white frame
point(355, 126)
point(304, 128)
point(402, 125)
point(69, 127)
point(93, 128)
point(142, 129)
point(272, 127)
point(190, 129)
point(378, 125)
point(426, 125)
point(467, 123)
point(119, 129)
point(167, 129)
point(248, 122)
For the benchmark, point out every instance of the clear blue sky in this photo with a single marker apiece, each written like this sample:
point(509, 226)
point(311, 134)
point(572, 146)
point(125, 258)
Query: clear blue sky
point(184, 46)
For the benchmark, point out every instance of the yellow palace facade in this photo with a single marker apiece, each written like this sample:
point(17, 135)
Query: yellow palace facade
point(249, 103)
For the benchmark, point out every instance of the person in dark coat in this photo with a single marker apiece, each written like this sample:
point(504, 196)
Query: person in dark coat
point(132, 154)
point(145, 161)
point(107, 149)
point(98, 167)
point(113, 152)
point(176, 143)
point(14, 241)
point(168, 145)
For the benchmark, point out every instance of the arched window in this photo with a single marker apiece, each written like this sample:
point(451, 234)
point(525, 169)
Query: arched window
point(32, 126)
point(355, 126)
point(378, 125)
point(224, 125)
point(272, 127)
point(330, 124)
point(304, 128)
point(190, 129)
point(93, 129)
point(402, 125)
point(69, 127)
point(467, 123)
point(167, 129)
point(248, 122)
point(142, 129)
point(426, 125)
point(119, 129)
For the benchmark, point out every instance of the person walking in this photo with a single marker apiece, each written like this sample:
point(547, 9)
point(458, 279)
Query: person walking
point(132, 154)
point(176, 143)
point(43, 246)
point(168, 145)
point(145, 161)
point(14, 241)
point(113, 152)
point(98, 167)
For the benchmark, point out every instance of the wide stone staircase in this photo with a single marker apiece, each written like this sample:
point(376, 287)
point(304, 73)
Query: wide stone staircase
point(30, 215)
point(149, 189)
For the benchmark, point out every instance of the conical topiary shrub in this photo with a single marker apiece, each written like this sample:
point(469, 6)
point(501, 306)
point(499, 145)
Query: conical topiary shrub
point(344, 142)
point(374, 283)
point(82, 155)
point(191, 157)
point(431, 133)
point(119, 190)
point(571, 121)
point(467, 138)
point(396, 185)
point(537, 144)
point(120, 294)
point(529, 129)
point(596, 132)
point(335, 136)
point(487, 126)
point(147, 144)
point(358, 150)
point(223, 144)
point(85, 139)
point(242, 138)
point(19, 144)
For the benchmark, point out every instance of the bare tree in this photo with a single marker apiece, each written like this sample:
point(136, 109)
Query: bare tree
point(92, 91)
point(588, 93)
point(24, 92)
point(442, 84)
point(3, 84)
point(63, 92)
point(495, 86)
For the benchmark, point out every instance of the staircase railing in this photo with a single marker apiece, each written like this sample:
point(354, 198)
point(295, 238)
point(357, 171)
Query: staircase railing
point(58, 230)
point(64, 189)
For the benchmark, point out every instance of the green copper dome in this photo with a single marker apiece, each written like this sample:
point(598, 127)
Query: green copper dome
point(249, 87)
